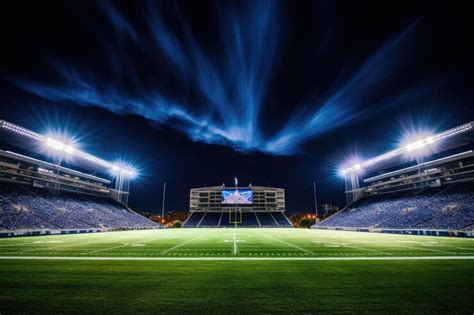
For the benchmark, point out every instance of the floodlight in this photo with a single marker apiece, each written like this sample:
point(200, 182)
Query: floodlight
point(424, 139)
point(68, 149)
point(59, 146)
point(55, 144)
point(415, 145)
point(430, 140)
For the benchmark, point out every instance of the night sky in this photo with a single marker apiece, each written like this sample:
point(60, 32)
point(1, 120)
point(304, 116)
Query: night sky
point(275, 93)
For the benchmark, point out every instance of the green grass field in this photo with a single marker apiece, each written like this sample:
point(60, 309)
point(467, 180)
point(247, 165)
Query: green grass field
point(242, 270)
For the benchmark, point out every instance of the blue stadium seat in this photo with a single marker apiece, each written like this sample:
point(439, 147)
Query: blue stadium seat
point(448, 207)
point(266, 219)
point(28, 207)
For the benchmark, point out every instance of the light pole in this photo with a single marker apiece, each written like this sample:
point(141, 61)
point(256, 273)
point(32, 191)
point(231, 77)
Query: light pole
point(315, 199)
point(163, 204)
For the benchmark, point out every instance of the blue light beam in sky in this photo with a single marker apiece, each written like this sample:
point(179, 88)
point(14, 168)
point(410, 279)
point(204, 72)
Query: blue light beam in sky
point(233, 82)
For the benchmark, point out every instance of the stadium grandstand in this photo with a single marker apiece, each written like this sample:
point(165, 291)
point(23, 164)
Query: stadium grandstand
point(425, 187)
point(40, 197)
point(252, 206)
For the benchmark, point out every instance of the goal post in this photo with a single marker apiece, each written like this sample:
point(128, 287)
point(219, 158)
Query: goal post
point(235, 216)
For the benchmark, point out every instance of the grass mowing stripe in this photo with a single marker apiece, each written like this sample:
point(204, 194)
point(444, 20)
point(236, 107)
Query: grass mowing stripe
point(353, 258)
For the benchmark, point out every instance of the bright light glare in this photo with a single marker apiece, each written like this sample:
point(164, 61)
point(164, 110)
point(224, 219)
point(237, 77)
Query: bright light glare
point(415, 145)
point(55, 144)
point(59, 146)
point(124, 170)
point(69, 149)
point(430, 140)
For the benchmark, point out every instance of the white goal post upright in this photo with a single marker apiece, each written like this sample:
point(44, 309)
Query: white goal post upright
point(235, 219)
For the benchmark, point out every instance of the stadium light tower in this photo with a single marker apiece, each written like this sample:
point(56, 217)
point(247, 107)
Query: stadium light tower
point(59, 146)
point(123, 174)
point(413, 150)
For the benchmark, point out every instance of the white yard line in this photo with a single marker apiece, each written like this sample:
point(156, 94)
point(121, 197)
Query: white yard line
point(421, 248)
point(235, 244)
point(130, 244)
point(354, 247)
point(236, 258)
point(184, 243)
point(288, 244)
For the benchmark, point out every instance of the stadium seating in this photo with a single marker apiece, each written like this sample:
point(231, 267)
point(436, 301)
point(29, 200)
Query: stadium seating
point(266, 219)
point(194, 219)
point(249, 219)
point(281, 219)
point(448, 208)
point(211, 219)
point(28, 207)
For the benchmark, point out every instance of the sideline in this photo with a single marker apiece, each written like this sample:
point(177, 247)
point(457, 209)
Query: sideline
point(236, 258)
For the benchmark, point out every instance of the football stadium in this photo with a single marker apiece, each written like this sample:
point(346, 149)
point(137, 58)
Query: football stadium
point(237, 242)
point(236, 157)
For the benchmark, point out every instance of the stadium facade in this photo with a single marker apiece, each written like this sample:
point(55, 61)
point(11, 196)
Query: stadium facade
point(253, 206)
point(40, 197)
point(426, 188)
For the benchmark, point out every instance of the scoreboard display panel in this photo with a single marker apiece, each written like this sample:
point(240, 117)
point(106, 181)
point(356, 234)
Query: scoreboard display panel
point(237, 196)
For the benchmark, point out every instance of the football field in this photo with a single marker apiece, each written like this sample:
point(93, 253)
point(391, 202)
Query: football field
point(236, 270)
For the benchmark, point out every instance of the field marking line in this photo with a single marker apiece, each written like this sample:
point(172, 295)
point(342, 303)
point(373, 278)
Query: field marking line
point(288, 244)
point(184, 243)
point(237, 258)
point(355, 247)
point(235, 244)
point(421, 248)
point(130, 244)
point(67, 244)
point(57, 245)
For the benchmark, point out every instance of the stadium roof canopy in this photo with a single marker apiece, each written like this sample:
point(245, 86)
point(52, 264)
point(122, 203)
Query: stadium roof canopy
point(432, 163)
point(29, 140)
point(443, 141)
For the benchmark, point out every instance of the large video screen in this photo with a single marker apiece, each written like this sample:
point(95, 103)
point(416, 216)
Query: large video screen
point(237, 196)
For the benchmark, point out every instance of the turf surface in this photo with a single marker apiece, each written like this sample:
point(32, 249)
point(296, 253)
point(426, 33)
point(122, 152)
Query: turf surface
point(209, 284)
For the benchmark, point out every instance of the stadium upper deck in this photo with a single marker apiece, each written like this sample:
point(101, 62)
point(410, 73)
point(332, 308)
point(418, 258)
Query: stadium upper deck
point(419, 172)
point(38, 196)
point(432, 195)
point(22, 169)
point(455, 168)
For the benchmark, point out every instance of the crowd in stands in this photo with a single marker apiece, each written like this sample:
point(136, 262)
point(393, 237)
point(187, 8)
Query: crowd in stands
point(447, 207)
point(28, 207)
point(248, 219)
